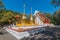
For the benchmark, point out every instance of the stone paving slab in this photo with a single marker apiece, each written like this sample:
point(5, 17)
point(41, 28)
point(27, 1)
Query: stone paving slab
point(7, 36)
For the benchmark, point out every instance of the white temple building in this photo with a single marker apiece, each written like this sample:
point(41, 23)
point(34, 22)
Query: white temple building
point(37, 18)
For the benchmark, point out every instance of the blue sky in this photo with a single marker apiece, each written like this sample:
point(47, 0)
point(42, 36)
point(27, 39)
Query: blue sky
point(40, 5)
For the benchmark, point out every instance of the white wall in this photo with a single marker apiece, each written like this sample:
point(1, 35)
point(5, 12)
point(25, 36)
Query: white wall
point(37, 19)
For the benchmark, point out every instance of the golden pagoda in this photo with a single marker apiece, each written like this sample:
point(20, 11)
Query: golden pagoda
point(31, 18)
point(23, 20)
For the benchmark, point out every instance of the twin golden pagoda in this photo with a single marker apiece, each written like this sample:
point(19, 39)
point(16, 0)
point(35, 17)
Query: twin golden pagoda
point(35, 20)
point(25, 21)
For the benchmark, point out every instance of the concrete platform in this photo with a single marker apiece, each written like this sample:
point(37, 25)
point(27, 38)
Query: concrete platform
point(18, 35)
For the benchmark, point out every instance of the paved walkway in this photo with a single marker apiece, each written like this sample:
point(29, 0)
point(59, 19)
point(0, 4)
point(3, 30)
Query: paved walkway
point(6, 36)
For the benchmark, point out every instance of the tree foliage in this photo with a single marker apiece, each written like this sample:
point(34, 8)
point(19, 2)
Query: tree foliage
point(57, 17)
point(55, 2)
point(50, 16)
point(7, 17)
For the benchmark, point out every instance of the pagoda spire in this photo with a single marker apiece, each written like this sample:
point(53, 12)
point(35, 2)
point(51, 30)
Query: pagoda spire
point(31, 17)
point(24, 8)
point(24, 16)
point(31, 10)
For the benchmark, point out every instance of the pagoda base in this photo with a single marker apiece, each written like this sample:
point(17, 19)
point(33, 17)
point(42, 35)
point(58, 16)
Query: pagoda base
point(18, 35)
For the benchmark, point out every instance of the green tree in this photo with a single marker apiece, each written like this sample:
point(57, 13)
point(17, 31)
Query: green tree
point(2, 5)
point(50, 16)
point(55, 2)
point(57, 17)
point(7, 16)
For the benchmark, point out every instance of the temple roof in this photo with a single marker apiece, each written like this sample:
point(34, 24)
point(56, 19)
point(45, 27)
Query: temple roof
point(35, 12)
point(43, 17)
